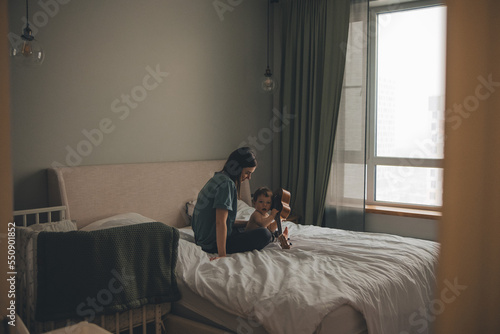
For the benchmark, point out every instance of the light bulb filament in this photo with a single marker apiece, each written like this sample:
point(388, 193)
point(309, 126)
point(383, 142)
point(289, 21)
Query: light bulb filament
point(26, 51)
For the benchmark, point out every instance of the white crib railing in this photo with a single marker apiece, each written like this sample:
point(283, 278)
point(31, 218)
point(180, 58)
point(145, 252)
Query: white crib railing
point(50, 211)
point(119, 323)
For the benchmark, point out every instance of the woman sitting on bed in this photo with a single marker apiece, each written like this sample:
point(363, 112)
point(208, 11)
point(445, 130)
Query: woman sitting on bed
point(215, 211)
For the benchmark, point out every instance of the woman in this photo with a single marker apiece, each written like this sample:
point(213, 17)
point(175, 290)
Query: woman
point(215, 211)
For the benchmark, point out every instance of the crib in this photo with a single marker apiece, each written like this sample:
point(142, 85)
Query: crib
point(147, 319)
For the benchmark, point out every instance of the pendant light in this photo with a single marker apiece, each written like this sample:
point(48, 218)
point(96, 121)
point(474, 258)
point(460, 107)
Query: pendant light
point(27, 51)
point(268, 84)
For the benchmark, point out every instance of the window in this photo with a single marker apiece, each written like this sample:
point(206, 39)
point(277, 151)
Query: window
point(406, 108)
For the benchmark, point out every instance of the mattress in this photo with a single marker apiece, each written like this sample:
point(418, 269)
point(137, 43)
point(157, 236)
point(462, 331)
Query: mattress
point(326, 275)
point(345, 319)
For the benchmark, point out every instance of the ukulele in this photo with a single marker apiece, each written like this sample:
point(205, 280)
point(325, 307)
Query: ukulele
point(281, 202)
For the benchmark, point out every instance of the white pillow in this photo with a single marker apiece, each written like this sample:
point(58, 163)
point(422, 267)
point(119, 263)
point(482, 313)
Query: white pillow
point(122, 219)
point(59, 226)
point(244, 211)
point(190, 209)
point(186, 233)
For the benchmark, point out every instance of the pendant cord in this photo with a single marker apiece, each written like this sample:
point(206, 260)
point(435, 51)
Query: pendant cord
point(268, 9)
point(27, 19)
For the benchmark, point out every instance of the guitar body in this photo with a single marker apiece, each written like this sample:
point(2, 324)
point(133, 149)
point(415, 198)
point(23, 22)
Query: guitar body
point(281, 202)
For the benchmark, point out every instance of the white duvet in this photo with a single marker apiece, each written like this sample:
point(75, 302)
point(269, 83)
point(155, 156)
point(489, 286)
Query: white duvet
point(388, 278)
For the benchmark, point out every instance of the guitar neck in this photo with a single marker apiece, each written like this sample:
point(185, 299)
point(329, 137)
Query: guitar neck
point(278, 222)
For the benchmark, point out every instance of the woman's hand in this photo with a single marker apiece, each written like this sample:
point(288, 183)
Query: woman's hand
point(216, 257)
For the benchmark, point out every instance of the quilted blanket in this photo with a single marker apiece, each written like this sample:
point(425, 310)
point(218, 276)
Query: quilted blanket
point(82, 274)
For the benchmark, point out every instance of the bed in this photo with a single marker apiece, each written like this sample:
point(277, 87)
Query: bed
point(331, 281)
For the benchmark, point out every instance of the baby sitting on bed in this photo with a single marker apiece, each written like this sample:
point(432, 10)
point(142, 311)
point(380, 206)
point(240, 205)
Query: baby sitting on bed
point(262, 200)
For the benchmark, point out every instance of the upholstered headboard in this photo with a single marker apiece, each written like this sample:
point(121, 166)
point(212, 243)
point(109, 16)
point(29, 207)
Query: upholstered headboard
point(157, 190)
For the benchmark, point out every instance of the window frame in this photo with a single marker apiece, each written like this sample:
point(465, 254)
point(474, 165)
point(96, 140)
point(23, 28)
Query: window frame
point(372, 161)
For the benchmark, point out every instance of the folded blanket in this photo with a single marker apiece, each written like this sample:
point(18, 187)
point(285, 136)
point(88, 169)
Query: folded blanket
point(105, 271)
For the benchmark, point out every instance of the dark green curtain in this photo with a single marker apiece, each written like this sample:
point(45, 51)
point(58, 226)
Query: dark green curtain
point(312, 70)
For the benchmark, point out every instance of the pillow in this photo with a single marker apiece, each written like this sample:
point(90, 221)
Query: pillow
point(122, 219)
point(186, 233)
point(190, 209)
point(59, 226)
point(244, 210)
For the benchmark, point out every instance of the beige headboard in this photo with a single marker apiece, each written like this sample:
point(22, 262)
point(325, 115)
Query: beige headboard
point(157, 190)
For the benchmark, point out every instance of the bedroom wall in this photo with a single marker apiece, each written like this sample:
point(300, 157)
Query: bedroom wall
point(125, 81)
point(404, 226)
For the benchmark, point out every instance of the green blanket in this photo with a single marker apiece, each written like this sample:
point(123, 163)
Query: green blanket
point(82, 274)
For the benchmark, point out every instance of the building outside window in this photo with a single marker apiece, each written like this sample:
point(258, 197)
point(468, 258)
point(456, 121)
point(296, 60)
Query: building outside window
point(406, 85)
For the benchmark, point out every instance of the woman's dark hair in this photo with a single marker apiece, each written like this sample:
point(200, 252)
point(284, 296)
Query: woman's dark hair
point(237, 160)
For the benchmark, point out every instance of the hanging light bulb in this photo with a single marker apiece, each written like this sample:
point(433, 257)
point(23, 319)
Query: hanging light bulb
point(27, 51)
point(268, 83)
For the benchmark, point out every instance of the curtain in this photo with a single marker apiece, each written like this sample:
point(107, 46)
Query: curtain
point(313, 33)
point(345, 200)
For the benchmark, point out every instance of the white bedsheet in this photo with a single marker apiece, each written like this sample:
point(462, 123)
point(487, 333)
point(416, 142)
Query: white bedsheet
point(388, 278)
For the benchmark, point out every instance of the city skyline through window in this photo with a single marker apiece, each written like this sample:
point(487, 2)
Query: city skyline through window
point(409, 114)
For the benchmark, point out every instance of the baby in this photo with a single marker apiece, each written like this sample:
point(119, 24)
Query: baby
point(262, 200)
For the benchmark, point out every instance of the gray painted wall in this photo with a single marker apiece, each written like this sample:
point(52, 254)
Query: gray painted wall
point(403, 226)
point(128, 81)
